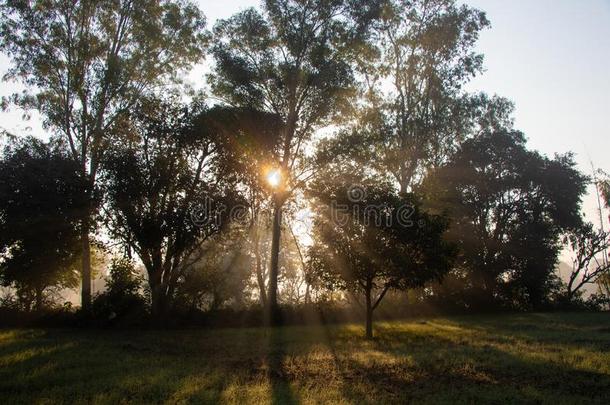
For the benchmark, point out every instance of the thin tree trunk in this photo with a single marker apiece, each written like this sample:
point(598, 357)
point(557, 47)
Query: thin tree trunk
point(272, 310)
point(303, 265)
point(261, 281)
point(259, 272)
point(307, 294)
point(369, 312)
point(86, 265)
point(157, 287)
point(38, 299)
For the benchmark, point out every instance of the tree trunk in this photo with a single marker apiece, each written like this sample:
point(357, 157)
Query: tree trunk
point(157, 296)
point(39, 299)
point(261, 282)
point(369, 309)
point(307, 294)
point(273, 310)
point(259, 272)
point(85, 264)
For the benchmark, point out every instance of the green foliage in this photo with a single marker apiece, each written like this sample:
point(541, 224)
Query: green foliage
point(414, 111)
point(388, 76)
point(375, 243)
point(163, 193)
point(290, 60)
point(88, 62)
point(218, 275)
point(508, 207)
point(123, 296)
point(370, 239)
point(41, 200)
point(286, 61)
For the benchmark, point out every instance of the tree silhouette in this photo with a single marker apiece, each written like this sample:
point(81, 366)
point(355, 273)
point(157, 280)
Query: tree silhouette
point(163, 198)
point(289, 60)
point(41, 201)
point(508, 207)
point(375, 243)
point(86, 63)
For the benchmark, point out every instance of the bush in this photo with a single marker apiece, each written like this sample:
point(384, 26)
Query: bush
point(122, 301)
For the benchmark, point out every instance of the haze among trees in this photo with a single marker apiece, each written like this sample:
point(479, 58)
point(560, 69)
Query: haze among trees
point(333, 163)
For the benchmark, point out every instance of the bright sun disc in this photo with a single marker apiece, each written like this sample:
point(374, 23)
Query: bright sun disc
point(274, 178)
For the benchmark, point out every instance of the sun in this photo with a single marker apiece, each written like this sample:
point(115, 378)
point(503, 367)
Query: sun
point(274, 178)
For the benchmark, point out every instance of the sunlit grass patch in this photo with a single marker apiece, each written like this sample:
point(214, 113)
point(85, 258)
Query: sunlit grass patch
point(537, 358)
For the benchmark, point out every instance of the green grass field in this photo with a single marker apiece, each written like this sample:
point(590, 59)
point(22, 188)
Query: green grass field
point(534, 358)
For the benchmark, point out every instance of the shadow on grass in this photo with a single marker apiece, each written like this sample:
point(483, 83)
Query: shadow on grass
point(75, 366)
point(442, 367)
point(460, 360)
point(279, 381)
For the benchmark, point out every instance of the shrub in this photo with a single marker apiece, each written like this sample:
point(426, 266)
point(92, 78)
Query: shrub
point(123, 298)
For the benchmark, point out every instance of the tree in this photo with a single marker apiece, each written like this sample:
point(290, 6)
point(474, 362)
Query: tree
point(247, 138)
point(289, 60)
point(604, 186)
point(374, 241)
point(589, 263)
point(123, 294)
point(220, 275)
point(41, 200)
point(86, 63)
point(508, 207)
point(163, 195)
point(414, 112)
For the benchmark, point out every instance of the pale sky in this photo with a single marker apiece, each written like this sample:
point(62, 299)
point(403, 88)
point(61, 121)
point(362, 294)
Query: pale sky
point(551, 57)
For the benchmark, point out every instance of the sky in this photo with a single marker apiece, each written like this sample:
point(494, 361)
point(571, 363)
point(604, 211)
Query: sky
point(550, 57)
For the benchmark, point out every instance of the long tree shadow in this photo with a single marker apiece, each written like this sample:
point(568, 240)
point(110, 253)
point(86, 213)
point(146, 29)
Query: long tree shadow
point(436, 361)
point(479, 369)
point(281, 391)
point(406, 365)
point(78, 366)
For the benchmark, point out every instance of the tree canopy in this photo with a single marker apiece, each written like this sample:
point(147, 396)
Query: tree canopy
point(508, 208)
point(41, 199)
point(86, 63)
point(371, 240)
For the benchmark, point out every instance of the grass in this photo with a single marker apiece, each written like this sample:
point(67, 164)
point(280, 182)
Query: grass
point(531, 358)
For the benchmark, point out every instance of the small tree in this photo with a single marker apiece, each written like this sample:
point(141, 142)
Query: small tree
point(376, 242)
point(589, 263)
point(41, 198)
point(123, 295)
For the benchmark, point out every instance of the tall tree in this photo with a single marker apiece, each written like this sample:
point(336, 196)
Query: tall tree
point(87, 62)
point(41, 199)
point(290, 60)
point(374, 241)
point(508, 207)
point(163, 194)
point(414, 110)
point(248, 138)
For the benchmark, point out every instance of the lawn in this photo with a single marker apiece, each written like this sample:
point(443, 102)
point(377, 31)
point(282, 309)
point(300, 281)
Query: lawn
point(532, 358)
